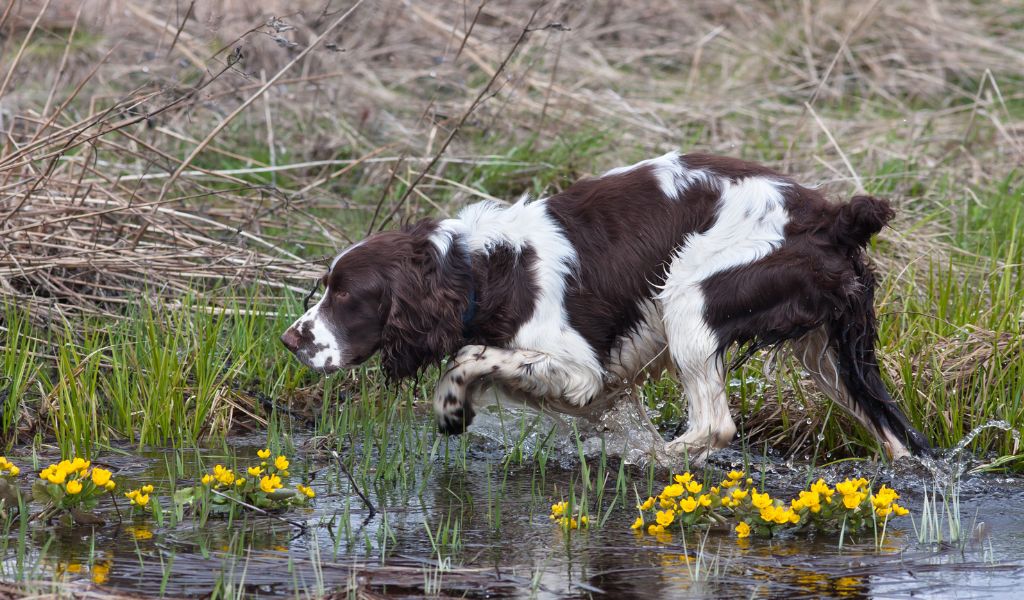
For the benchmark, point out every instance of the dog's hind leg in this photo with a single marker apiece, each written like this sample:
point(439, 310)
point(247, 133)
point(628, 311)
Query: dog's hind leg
point(536, 375)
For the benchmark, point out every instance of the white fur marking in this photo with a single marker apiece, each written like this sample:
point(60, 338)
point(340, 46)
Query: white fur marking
point(327, 347)
point(750, 224)
point(488, 225)
point(343, 253)
point(672, 175)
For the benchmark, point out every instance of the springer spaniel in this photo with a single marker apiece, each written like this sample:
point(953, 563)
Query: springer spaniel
point(562, 302)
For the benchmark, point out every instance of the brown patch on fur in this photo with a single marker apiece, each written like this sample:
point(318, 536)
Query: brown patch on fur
point(624, 231)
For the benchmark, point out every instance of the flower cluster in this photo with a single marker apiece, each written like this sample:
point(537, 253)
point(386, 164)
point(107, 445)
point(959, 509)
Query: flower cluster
point(72, 486)
point(77, 475)
point(262, 485)
point(561, 514)
point(8, 468)
point(139, 497)
point(222, 477)
point(685, 504)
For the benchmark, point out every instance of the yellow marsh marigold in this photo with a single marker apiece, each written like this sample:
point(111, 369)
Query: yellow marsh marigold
point(760, 500)
point(637, 524)
point(742, 530)
point(100, 477)
point(647, 505)
point(255, 471)
point(305, 491)
point(264, 453)
point(110, 485)
point(684, 478)
point(558, 509)
point(704, 500)
point(672, 491)
point(665, 517)
point(74, 486)
point(688, 505)
point(694, 488)
point(852, 501)
point(281, 463)
point(735, 475)
point(270, 483)
point(207, 479)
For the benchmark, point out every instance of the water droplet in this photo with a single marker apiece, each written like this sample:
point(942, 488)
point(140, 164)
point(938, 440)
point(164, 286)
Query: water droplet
point(809, 421)
point(821, 437)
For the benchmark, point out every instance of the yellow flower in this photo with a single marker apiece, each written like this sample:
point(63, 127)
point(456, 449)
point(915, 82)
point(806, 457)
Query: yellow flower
point(672, 491)
point(147, 489)
point(110, 485)
point(742, 530)
point(13, 470)
point(207, 479)
point(141, 499)
point(100, 572)
point(240, 481)
point(558, 508)
point(281, 463)
point(584, 520)
point(694, 488)
point(739, 494)
point(306, 491)
point(883, 512)
point(853, 500)
point(704, 500)
point(74, 486)
point(735, 475)
point(665, 517)
point(637, 524)
point(255, 471)
point(54, 474)
point(270, 483)
point(666, 502)
point(688, 505)
point(264, 453)
point(684, 478)
point(768, 513)
point(648, 504)
point(899, 510)
point(100, 477)
point(760, 500)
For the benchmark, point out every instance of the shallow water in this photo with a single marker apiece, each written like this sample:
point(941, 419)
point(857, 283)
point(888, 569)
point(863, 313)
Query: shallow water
point(507, 546)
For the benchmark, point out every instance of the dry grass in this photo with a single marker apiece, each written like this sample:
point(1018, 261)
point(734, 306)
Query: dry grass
point(100, 206)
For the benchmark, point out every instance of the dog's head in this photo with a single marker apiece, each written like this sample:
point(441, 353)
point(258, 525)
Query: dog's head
point(395, 292)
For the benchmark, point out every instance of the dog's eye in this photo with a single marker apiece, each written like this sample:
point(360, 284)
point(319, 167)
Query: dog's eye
point(342, 294)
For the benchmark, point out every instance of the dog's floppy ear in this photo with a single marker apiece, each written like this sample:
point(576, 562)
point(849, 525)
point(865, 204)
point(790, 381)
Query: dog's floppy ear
point(428, 293)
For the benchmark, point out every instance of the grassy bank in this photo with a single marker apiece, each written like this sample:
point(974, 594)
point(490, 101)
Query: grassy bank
point(143, 295)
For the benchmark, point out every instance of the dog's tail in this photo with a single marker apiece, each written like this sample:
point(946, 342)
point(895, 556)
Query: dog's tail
point(853, 332)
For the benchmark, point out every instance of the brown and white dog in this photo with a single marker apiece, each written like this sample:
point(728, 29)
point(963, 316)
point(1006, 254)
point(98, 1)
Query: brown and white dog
point(562, 301)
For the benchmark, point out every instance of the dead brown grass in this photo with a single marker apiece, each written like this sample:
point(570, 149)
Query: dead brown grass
point(98, 203)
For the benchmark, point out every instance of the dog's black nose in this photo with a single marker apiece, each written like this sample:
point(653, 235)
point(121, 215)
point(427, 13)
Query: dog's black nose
point(290, 339)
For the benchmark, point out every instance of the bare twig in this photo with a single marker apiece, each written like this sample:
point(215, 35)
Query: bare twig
point(352, 482)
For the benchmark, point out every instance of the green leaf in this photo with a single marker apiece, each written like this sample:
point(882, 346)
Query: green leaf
point(183, 496)
point(281, 494)
point(41, 492)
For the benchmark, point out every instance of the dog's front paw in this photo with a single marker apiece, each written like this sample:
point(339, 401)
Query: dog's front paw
point(452, 405)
